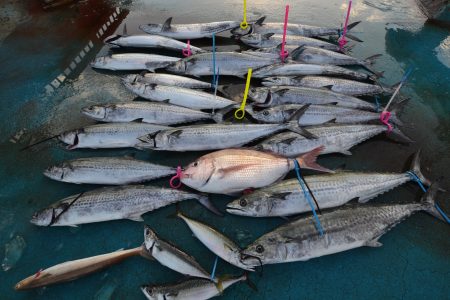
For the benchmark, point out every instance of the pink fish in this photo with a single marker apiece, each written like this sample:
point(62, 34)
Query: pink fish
point(234, 170)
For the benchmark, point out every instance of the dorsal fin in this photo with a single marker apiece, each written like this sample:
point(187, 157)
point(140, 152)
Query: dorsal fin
point(166, 25)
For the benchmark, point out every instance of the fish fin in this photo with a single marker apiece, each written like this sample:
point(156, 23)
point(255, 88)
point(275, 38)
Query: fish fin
point(125, 31)
point(280, 195)
point(137, 218)
point(267, 35)
point(176, 133)
point(166, 26)
point(374, 243)
point(308, 160)
point(415, 168)
point(138, 120)
point(206, 202)
point(345, 152)
point(260, 21)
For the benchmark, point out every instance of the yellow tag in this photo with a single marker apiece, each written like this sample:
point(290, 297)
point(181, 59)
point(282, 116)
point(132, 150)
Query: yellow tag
point(244, 23)
point(240, 113)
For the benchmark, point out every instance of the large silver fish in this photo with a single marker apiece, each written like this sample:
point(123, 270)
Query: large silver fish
point(334, 139)
point(287, 198)
point(171, 257)
point(107, 170)
point(226, 63)
point(189, 98)
point(133, 61)
point(167, 79)
point(270, 40)
point(147, 112)
point(112, 203)
point(190, 289)
point(110, 135)
point(188, 31)
point(346, 228)
point(278, 95)
point(337, 85)
point(149, 41)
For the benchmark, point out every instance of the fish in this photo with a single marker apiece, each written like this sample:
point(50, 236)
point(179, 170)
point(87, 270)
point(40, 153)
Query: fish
point(189, 98)
point(317, 115)
point(332, 190)
point(111, 203)
point(190, 289)
point(291, 29)
point(345, 228)
point(71, 270)
point(337, 85)
point(265, 97)
point(149, 41)
point(132, 61)
point(171, 257)
point(188, 31)
point(215, 241)
point(299, 69)
point(167, 79)
point(232, 171)
point(107, 170)
point(333, 138)
point(226, 63)
point(108, 135)
point(269, 40)
point(147, 112)
point(216, 136)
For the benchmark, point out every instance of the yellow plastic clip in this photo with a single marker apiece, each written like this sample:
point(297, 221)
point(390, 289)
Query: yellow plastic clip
point(244, 23)
point(240, 113)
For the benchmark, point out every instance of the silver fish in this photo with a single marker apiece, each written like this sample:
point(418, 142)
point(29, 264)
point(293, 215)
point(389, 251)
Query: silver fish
point(147, 112)
point(337, 85)
point(226, 63)
point(273, 96)
point(112, 203)
point(334, 138)
point(167, 79)
point(346, 228)
point(107, 170)
point(287, 198)
point(111, 135)
point(188, 31)
point(189, 98)
point(190, 289)
point(317, 115)
point(133, 61)
point(171, 257)
point(298, 69)
point(269, 40)
point(149, 41)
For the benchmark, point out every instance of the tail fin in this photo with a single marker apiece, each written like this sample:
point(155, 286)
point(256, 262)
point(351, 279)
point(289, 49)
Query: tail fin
point(429, 202)
point(293, 126)
point(204, 200)
point(308, 160)
point(415, 167)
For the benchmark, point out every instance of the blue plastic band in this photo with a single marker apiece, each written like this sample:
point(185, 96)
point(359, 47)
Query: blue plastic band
point(308, 197)
point(214, 58)
point(213, 273)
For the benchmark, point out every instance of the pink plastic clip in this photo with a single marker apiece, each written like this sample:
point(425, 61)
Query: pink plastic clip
point(283, 53)
point(177, 176)
point(187, 51)
point(342, 41)
point(384, 118)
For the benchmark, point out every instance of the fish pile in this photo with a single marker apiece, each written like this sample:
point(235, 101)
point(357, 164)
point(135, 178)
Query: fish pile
point(305, 107)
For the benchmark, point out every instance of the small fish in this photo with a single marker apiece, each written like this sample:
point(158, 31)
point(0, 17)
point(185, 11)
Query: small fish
point(110, 135)
point(171, 257)
point(346, 228)
point(188, 31)
point(133, 61)
point(167, 79)
point(112, 203)
point(107, 170)
point(332, 190)
point(71, 270)
point(232, 171)
point(269, 40)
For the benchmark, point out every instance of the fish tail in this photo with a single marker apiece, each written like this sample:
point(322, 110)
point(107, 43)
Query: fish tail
point(429, 203)
point(415, 167)
point(308, 160)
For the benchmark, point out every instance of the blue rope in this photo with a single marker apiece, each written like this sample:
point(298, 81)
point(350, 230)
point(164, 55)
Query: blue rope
point(307, 196)
point(213, 273)
point(214, 58)
point(377, 104)
point(419, 182)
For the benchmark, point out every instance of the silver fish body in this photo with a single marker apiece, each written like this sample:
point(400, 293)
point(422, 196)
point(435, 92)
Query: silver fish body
point(273, 40)
point(149, 41)
point(167, 79)
point(108, 135)
point(189, 98)
point(133, 61)
point(107, 170)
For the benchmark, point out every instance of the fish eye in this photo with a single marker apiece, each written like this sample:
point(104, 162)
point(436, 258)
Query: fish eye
point(259, 249)
point(266, 113)
point(243, 202)
point(195, 164)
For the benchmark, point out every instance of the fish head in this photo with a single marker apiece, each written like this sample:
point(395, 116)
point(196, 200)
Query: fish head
point(150, 238)
point(259, 94)
point(198, 173)
point(251, 205)
point(153, 293)
point(253, 39)
point(177, 66)
point(96, 112)
point(57, 172)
